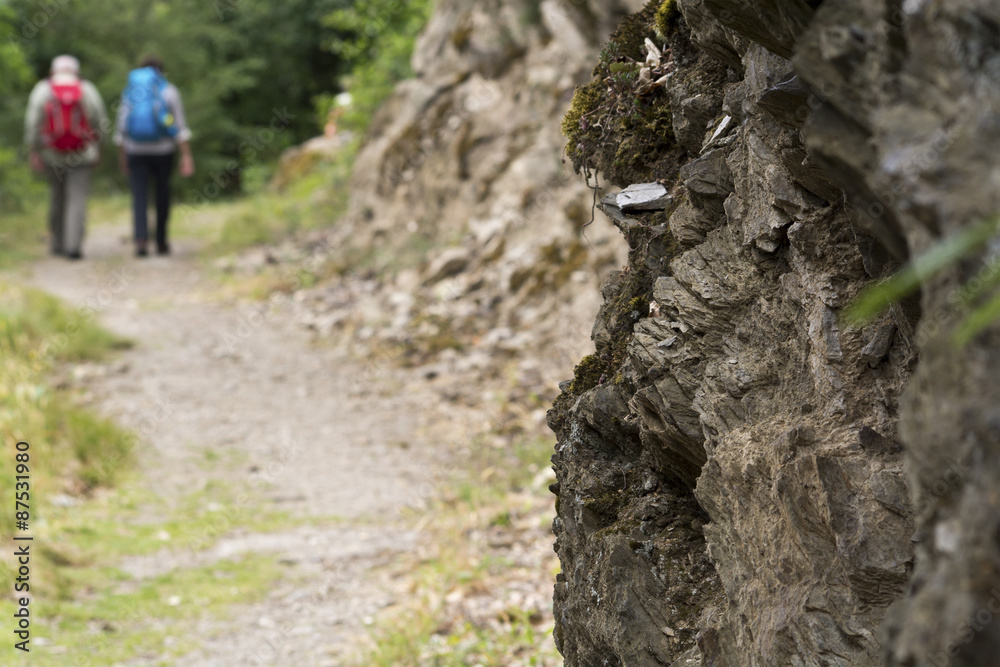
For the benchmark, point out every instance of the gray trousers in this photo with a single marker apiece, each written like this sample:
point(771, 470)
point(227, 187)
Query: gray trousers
point(69, 187)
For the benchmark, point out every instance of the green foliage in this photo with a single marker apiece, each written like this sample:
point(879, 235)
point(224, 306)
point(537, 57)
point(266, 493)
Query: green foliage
point(874, 299)
point(247, 69)
point(256, 76)
point(980, 317)
point(14, 72)
point(375, 43)
point(15, 77)
point(311, 199)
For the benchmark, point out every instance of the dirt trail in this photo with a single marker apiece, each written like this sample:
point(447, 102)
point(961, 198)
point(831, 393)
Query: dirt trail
point(218, 392)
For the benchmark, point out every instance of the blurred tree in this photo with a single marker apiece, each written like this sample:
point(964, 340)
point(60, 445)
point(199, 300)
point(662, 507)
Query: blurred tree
point(253, 74)
point(248, 70)
point(15, 81)
point(375, 38)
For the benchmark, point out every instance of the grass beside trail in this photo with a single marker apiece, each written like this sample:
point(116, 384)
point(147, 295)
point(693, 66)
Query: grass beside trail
point(87, 507)
point(308, 192)
point(70, 449)
point(24, 234)
point(88, 510)
point(476, 528)
point(87, 611)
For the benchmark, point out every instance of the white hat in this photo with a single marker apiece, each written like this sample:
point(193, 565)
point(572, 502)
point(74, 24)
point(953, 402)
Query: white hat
point(65, 65)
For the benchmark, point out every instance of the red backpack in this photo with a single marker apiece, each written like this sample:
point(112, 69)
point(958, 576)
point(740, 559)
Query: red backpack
point(66, 126)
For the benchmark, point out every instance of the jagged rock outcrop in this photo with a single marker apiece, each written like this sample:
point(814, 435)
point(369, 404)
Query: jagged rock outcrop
point(736, 478)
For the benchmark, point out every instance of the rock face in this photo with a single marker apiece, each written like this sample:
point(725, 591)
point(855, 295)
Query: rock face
point(738, 484)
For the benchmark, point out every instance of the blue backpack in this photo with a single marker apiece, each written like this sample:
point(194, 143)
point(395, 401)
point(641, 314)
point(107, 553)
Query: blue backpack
point(149, 118)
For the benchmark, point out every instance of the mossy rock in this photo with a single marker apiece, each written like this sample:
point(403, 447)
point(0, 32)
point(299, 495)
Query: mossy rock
point(585, 100)
point(666, 18)
point(586, 375)
point(615, 126)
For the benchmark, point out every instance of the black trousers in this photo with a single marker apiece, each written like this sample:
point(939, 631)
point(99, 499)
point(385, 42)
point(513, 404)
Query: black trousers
point(142, 169)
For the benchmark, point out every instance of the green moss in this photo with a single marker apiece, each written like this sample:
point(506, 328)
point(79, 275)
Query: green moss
point(666, 18)
point(635, 294)
point(585, 101)
point(586, 375)
point(615, 125)
point(605, 508)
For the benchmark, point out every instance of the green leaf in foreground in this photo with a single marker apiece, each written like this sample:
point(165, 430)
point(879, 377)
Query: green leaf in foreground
point(876, 298)
point(977, 320)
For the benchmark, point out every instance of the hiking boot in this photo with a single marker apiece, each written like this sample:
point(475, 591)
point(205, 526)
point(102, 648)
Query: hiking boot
point(162, 248)
point(76, 254)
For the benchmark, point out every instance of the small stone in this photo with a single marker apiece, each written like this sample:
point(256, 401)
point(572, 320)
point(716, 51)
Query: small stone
point(946, 537)
point(62, 500)
point(720, 130)
point(642, 197)
point(668, 631)
point(449, 263)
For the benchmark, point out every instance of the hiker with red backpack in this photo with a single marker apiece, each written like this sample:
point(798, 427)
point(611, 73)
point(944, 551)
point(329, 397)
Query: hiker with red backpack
point(62, 130)
point(150, 130)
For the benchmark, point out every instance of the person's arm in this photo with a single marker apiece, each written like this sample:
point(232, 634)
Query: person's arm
point(97, 114)
point(119, 135)
point(32, 126)
point(187, 161)
point(183, 137)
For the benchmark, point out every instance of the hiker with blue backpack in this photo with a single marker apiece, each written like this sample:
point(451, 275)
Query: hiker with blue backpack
point(150, 131)
point(62, 131)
